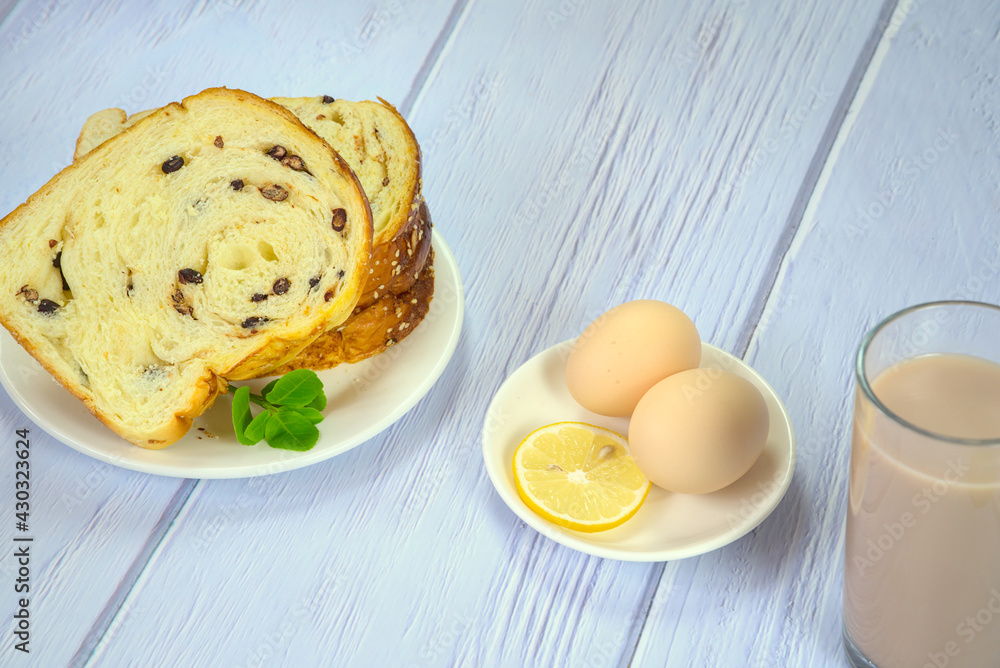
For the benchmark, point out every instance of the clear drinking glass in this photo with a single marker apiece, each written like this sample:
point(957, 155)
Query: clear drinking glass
point(922, 558)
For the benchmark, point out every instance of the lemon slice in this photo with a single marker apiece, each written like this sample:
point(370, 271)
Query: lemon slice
point(579, 476)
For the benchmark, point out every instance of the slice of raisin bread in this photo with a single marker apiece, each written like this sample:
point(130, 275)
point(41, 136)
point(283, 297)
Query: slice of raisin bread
point(371, 330)
point(214, 240)
point(382, 150)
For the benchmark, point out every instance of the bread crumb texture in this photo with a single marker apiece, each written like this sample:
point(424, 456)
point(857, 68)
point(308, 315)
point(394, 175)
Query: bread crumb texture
point(139, 267)
point(378, 145)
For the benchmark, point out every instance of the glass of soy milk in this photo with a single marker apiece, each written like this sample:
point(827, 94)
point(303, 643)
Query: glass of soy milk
point(922, 562)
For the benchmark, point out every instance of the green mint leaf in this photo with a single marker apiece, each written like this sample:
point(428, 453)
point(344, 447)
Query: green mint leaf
point(288, 430)
point(319, 403)
point(296, 388)
point(268, 388)
point(292, 408)
point(241, 414)
point(255, 430)
point(311, 414)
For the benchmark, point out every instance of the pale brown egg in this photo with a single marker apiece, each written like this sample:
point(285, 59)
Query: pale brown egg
point(699, 430)
point(628, 350)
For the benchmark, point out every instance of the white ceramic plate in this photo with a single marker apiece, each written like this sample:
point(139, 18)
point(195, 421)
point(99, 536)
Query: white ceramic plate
point(364, 399)
point(667, 526)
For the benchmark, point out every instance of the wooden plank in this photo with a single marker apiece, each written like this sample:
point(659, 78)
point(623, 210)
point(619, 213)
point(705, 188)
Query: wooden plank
point(90, 523)
point(63, 62)
point(906, 213)
point(672, 184)
point(577, 155)
point(96, 526)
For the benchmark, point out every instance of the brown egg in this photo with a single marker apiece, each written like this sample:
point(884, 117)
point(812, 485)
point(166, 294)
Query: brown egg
point(628, 350)
point(699, 430)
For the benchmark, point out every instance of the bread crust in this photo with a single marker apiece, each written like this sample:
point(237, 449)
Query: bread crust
point(396, 263)
point(399, 254)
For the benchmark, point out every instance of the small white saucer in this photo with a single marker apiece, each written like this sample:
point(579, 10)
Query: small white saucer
point(668, 525)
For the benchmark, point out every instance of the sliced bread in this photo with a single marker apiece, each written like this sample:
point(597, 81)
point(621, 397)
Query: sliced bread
point(382, 150)
point(374, 328)
point(214, 240)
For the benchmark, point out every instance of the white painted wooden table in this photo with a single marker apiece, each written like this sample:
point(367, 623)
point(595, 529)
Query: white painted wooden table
point(787, 173)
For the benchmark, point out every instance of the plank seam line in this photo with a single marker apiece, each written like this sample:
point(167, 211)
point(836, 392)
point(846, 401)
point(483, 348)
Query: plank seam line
point(837, 130)
point(7, 8)
point(116, 603)
point(636, 630)
point(605, 176)
point(433, 56)
point(832, 134)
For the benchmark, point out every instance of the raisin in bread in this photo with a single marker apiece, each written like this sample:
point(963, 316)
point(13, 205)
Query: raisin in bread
point(214, 240)
point(382, 150)
point(371, 330)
